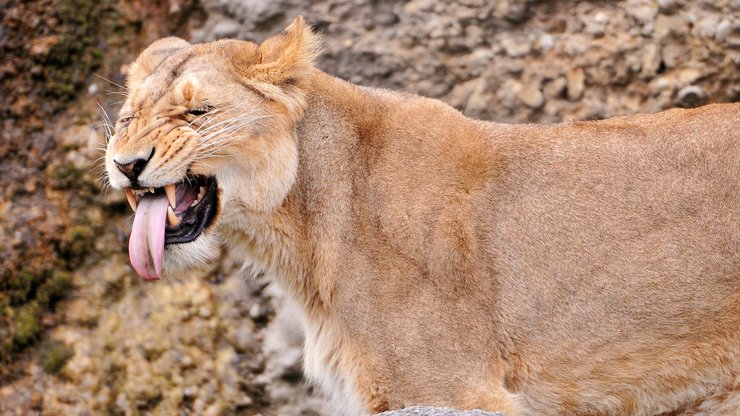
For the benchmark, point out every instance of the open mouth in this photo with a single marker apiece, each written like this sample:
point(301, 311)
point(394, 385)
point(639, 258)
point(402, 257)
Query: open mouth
point(174, 214)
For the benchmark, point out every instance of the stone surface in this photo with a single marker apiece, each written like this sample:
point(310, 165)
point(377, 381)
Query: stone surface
point(221, 341)
point(436, 411)
point(691, 96)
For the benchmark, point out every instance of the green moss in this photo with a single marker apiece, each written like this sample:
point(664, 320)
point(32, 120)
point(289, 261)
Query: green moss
point(18, 287)
point(26, 323)
point(77, 54)
point(54, 288)
point(53, 356)
point(77, 242)
point(64, 176)
point(84, 29)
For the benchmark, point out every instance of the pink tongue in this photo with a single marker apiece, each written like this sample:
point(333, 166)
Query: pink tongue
point(146, 245)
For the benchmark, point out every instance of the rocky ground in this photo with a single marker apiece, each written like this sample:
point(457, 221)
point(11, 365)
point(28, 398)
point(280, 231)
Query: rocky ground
point(80, 334)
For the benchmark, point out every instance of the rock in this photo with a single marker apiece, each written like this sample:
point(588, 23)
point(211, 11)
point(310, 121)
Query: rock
point(530, 95)
point(650, 60)
point(576, 83)
point(514, 11)
point(545, 42)
point(436, 411)
point(691, 96)
point(596, 25)
point(243, 337)
point(706, 26)
point(722, 31)
point(643, 11)
point(670, 25)
point(471, 96)
point(556, 87)
point(674, 54)
point(225, 29)
point(515, 47)
point(41, 46)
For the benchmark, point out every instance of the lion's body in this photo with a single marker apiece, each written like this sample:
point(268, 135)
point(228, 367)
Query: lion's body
point(587, 267)
point(581, 268)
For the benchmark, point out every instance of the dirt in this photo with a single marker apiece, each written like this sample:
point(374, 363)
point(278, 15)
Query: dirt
point(81, 334)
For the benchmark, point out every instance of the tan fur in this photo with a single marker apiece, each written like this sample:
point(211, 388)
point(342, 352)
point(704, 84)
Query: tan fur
point(580, 268)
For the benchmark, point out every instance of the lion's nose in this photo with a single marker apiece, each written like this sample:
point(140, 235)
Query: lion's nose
point(132, 169)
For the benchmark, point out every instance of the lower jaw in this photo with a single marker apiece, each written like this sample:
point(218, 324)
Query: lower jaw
point(195, 223)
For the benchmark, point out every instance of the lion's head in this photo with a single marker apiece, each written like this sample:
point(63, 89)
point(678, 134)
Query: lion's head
point(207, 135)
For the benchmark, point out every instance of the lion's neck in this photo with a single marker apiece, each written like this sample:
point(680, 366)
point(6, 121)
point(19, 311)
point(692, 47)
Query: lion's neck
point(294, 242)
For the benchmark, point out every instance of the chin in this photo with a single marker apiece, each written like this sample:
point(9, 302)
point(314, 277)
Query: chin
point(196, 254)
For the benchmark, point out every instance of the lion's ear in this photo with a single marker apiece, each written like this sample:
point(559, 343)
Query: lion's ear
point(151, 58)
point(284, 62)
point(288, 55)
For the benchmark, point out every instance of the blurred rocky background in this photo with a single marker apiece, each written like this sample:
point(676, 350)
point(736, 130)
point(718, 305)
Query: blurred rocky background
point(81, 334)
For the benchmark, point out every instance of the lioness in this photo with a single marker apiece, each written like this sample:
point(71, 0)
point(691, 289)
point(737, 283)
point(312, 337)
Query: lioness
point(581, 268)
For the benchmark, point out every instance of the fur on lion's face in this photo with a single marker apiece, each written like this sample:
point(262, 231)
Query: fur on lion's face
point(205, 137)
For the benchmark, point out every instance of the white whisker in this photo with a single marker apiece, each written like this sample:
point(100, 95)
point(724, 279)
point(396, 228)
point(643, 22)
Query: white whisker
point(106, 79)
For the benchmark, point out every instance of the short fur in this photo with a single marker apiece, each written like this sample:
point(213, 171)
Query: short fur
point(580, 268)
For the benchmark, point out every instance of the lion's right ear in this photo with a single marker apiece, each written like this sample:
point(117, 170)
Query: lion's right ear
point(279, 66)
point(151, 58)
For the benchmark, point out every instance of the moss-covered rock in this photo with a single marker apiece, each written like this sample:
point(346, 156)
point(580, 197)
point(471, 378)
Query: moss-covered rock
point(51, 48)
point(26, 323)
point(53, 356)
point(76, 242)
point(64, 176)
point(78, 42)
point(23, 300)
point(18, 287)
point(54, 288)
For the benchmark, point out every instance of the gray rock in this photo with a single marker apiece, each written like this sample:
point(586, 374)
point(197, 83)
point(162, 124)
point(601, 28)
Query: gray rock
point(531, 95)
point(674, 55)
point(515, 11)
point(650, 60)
point(225, 29)
point(691, 96)
point(667, 25)
point(576, 83)
point(723, 30)
point(436, 411)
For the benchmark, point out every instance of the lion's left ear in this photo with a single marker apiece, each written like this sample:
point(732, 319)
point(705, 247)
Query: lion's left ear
point(152, 56)
point(285, 61)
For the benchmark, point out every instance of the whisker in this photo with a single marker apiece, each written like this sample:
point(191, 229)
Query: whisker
point(106, 79)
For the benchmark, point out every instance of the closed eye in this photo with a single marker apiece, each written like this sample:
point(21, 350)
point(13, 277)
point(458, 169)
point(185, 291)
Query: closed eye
point(197, 112)
point(124, 120)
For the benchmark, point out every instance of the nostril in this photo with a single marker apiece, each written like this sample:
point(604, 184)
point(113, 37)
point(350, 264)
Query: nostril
point(125, 167)
point(131, 169)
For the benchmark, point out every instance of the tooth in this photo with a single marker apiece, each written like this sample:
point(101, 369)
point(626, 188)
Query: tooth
point(202, 193)
point(171, 192)
point(194, 203)
point(172, 217)
point(131, 198)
